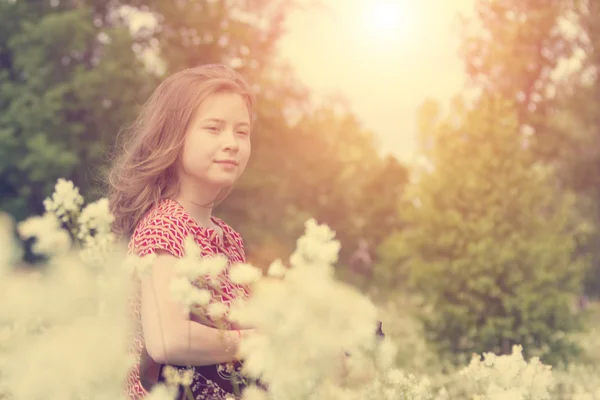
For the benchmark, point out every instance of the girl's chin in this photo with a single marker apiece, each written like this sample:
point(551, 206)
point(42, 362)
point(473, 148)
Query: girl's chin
point(215, 180)
point(222, 181)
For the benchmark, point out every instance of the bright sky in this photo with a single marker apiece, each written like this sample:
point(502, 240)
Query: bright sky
point(384, 56)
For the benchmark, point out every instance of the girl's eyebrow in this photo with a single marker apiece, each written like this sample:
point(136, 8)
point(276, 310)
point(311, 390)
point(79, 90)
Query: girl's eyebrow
point(222, 121)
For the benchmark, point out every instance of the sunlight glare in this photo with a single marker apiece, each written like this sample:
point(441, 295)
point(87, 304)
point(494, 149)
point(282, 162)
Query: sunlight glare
point(390, 20)
point(385, 16)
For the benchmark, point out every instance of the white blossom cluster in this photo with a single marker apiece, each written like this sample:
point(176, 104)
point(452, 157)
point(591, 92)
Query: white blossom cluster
point(51, 239)
point(392, 384)
point(65, 200)
point(95, 217)
point(316, 248)
point(510, 376)
point(305, 321)
point(184, 286)
point(88, 228)
point(63, 332)
point(196, 275)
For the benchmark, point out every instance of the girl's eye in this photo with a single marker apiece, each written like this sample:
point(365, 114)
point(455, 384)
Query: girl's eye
point(243, 133)
point(213, 128)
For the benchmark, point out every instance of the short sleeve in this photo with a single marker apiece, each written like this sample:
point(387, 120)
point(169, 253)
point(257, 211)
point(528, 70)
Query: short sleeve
point(159, 233)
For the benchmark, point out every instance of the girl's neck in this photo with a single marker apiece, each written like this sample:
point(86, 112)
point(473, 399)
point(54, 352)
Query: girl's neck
point(202, 215)
point(197, 204)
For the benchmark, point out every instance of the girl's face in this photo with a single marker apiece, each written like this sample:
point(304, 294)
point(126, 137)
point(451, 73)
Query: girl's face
point(217, 143)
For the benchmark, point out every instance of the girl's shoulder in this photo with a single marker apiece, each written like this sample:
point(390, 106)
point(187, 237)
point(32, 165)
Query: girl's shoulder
point(163, 227)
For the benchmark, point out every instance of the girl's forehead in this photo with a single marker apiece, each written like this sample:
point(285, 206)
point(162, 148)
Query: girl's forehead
point(224, 105)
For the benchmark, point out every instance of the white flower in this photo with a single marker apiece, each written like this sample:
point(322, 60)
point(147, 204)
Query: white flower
point(5, 333)
point(244, 274)
point(187, 294)
point(386, 353)
point(173, 376)
point(187, 267)
point(258, 345)
point(191, 249)
point(50, 238)
point(489, 359)
point(96, 249)
point(303, 323)
point(65, 199)
point(139, 266)
point(238, 304)
point(95, 217)
point(277, 269)
point(393, 384)
point(254, 393)
point(74, 342)
point(216, 310)
point(497, 393)
point(162, 392)
point(316, 246)
point(510, 376)
point(194, 265)
point(322, 233)
point(214, 265)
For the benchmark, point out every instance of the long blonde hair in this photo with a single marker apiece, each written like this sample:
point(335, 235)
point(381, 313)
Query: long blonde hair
point(143, 171)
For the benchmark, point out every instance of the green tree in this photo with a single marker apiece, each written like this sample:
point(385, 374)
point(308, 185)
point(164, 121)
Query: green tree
point(242, 34)
point(511, 48)
point(575, 125)
point(520, 49)
point(491, 239)
point(68, 82)
point(380, 200)
point(578, 162)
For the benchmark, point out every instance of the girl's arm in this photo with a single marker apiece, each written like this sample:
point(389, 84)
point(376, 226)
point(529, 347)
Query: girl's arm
point(169, 334)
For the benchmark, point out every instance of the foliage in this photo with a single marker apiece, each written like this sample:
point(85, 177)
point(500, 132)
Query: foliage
point(491, 241)
point(579, 381)
point(511, 49)
point(544, 54)
point(68, 82)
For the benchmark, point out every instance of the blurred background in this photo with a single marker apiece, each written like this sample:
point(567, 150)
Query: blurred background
point(452, 145)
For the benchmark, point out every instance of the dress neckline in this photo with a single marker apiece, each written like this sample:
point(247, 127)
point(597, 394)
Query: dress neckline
point(209, 233)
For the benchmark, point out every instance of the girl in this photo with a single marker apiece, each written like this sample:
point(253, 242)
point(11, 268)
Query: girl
point(189, 145)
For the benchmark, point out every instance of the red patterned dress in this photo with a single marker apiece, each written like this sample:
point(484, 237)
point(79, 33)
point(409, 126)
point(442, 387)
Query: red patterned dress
point(165, 227)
